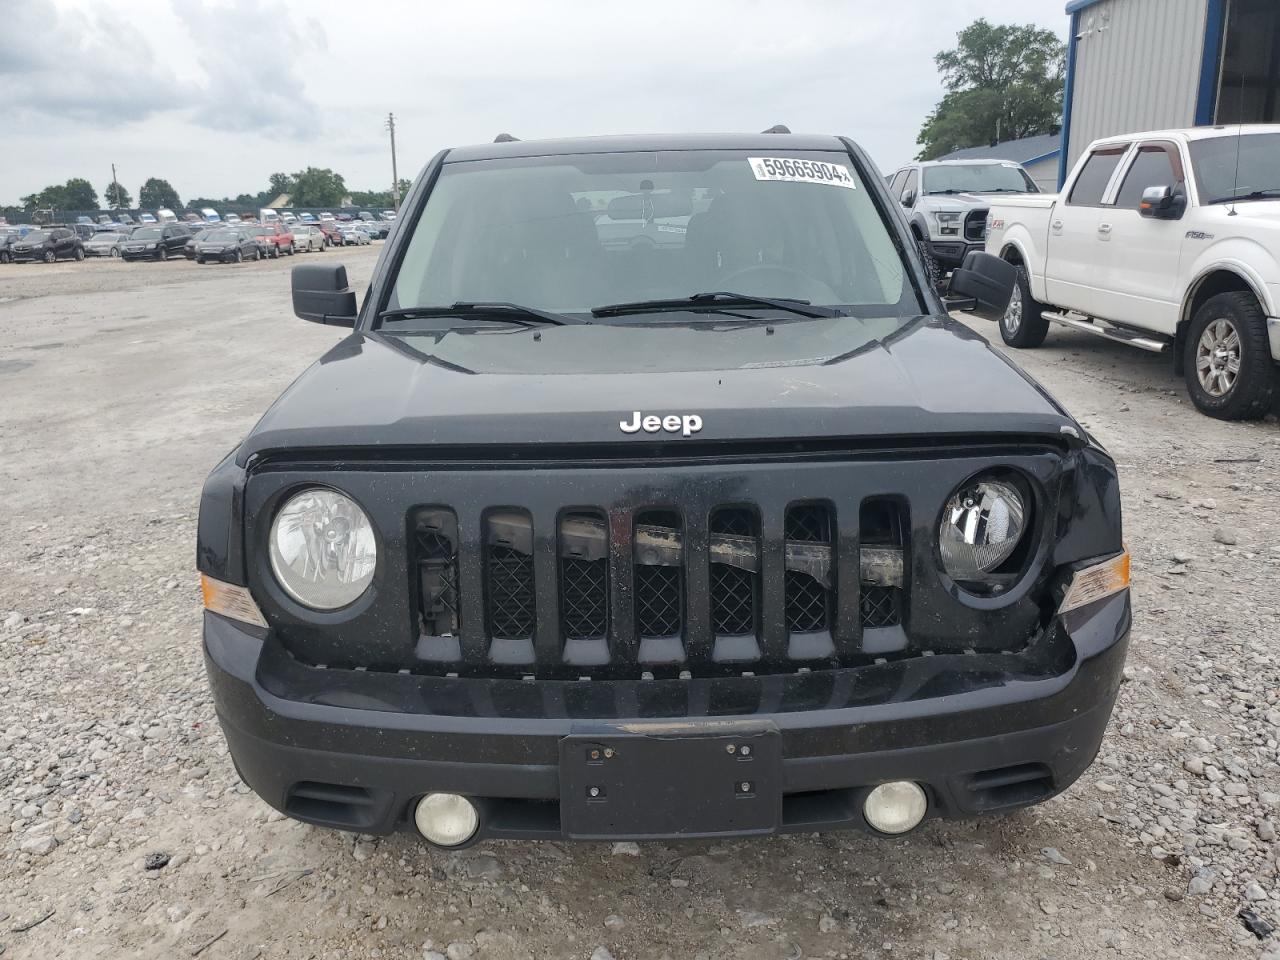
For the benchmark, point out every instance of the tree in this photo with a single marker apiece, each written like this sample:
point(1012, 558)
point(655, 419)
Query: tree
point(116, 196)
point(315, 187)
point(1003, 82)
point(156, 194)
point(75, 194)
point(280, 183)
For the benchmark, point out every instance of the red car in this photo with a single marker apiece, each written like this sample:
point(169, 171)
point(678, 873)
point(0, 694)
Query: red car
point(278, 237)
point(330, 231)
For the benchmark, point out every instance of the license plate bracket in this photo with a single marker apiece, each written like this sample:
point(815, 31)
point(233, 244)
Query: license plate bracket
point(670, 784)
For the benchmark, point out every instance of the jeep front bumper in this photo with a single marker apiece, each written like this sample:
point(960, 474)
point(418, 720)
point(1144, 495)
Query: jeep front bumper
point(355, 749)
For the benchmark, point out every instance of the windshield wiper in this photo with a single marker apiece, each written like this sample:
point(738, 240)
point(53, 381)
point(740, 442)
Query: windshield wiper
point(718, 301)
point(1267, 194)
point(484, 310)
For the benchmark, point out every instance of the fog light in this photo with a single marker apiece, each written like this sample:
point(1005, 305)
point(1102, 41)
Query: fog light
point(446, 819)
point(895, 807)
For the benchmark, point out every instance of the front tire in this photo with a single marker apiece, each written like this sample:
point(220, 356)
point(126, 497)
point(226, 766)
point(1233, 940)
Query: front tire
point(1227, 358)
point(79, 254)
point(240, 256)
point(49, 256)
point(115, 253)
point(1023, 325)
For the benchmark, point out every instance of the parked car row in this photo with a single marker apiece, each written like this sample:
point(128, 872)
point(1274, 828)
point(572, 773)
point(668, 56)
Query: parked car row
point(246, 240)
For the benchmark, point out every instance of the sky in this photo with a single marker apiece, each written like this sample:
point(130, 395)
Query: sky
point(216, 95)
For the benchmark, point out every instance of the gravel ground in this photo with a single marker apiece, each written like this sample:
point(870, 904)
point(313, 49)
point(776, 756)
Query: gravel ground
point(129, 835)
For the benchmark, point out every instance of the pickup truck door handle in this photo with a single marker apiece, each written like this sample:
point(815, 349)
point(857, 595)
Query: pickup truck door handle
point(1104, 229)
point(1057, 226)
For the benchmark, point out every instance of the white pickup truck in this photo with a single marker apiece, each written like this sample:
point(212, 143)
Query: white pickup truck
point(1168, 241)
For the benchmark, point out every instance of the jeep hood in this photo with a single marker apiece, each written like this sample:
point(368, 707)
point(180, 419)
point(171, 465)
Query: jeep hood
point(575, 384)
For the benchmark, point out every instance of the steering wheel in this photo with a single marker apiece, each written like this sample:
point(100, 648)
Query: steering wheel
point(817, 291)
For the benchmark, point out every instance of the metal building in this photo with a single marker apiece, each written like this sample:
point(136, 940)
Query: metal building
point(1137, 65)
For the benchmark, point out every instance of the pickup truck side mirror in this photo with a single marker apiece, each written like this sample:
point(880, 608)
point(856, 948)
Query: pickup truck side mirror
point(1162, 203)
point(909, 198)
point(321, 294)
point(982, 285)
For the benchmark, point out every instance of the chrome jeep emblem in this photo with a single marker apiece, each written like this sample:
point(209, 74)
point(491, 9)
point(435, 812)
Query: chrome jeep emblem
point(686, 424)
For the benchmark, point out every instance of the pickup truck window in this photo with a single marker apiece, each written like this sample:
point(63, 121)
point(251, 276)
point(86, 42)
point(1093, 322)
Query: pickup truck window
point(1214, 163)
point(1152, 167)
point(910, 184)
point(572, 232)
point(1092, 182)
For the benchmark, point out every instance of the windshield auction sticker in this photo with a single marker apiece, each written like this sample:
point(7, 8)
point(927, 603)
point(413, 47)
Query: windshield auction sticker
point(802, 171)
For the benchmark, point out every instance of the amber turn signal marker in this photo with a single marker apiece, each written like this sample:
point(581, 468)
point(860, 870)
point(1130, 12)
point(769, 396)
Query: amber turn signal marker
point(1097, 582)
point(230, 601)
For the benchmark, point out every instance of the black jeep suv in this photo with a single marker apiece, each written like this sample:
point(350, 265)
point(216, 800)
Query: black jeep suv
point(655, 493)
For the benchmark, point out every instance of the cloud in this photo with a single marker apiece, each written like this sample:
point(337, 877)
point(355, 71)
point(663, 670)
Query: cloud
point(254, 57)
point(80, 66)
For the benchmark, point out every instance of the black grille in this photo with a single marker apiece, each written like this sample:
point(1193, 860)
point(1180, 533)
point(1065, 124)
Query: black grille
point(879, 606)
point(658, 607)
point(808, 600)
point(584, 598)
point(734, 591)
point(511, 610)
point(436, 539)
point(975, 225)
point(881, 523)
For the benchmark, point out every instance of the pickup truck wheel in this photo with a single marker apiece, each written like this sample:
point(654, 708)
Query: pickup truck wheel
point(930, 264)
point(1022, 325)
point(1228, 359)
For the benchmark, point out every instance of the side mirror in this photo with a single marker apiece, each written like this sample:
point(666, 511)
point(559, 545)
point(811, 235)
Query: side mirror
point(321, 295)
point(1162, 203)
point(982, 285)
point(909, 198)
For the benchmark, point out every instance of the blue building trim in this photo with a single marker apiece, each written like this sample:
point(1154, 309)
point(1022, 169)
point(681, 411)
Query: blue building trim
point(1207, 96)
point(1043, 156)
point(1069, 92)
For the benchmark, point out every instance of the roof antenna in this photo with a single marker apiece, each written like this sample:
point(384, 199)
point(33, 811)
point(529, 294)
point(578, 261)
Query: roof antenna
point(1235, 181)
point(505, 138)
point(777, 128)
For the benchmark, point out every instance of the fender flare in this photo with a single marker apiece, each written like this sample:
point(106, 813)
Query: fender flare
point(1230, 265)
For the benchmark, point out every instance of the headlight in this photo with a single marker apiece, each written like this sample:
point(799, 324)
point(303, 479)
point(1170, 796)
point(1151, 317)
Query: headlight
point(151, 246)
point(947, 217)
point(981, 527)
point(322, 549)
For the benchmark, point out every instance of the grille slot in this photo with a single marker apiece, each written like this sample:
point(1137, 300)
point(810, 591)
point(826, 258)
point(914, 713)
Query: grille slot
point(735, 589)
point(881, 524)
point(584, 577)
point(436, 543)
point(808, 600)
point(509, 597)
point(659, 581)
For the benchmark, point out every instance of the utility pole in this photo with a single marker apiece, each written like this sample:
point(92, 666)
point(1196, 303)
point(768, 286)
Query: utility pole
point(115, 189)
point(395, 176)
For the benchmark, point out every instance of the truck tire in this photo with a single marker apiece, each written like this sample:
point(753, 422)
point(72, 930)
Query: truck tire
point(1227, 363)
point(1022, 325)
point(930, 264)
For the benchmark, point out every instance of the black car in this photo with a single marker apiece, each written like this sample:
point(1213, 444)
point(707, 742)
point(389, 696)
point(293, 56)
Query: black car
point(227, 244)
point(155, 241)
point(48, 244)
point(8, 237)
point(579, 536)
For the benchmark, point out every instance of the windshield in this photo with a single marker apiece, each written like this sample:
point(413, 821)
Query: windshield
point(106, 237)
point(1214, 162)
point(224, 236)
point(978, 178)
point(35, 236)
point(147, 233)
point(569, 233)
